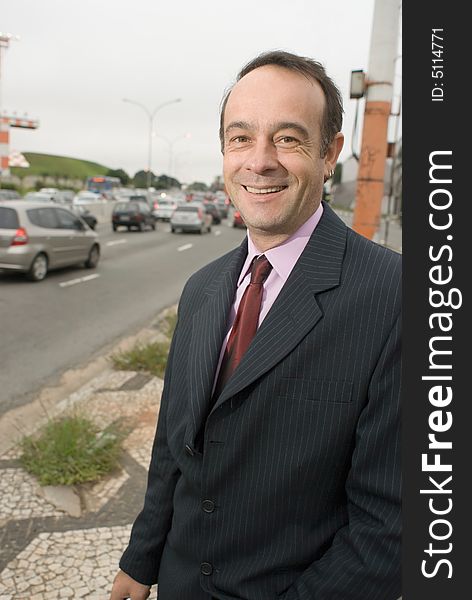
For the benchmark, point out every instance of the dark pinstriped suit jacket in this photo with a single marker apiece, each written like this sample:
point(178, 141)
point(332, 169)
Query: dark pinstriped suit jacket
point(292, 489)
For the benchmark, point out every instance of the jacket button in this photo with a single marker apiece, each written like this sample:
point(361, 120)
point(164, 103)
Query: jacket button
point(189, 450)
point(208, 506)
point(206, 568)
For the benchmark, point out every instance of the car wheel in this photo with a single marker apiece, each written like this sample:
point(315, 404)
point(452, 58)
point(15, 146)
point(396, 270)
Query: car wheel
point(93, 257)
point(141, 226)
point(153, 226)
point(115, 227)
point(172, 229)
point(209, 229)
point(39, 268)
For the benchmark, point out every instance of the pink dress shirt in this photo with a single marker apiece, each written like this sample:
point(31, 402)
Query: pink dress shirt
point(282, 258)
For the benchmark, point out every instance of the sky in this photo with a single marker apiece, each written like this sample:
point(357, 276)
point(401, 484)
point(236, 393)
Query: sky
point(76, 60)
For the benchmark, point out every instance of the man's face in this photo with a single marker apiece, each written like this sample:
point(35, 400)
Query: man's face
point(272, 166)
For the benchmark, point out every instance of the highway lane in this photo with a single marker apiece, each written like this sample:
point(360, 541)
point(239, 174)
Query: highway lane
point(74, 314)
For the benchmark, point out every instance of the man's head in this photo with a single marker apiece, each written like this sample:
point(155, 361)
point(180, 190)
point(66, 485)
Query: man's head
point(280, 135)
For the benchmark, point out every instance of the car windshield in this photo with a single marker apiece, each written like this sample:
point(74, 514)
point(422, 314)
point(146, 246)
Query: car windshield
point(38, 197)
point(126, 206)
point(187, 209)
point(8, 218)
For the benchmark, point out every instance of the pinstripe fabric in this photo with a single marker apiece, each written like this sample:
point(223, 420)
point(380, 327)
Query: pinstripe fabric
point(301, 450)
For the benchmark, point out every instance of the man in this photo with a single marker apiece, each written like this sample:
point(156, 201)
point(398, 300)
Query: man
point(277, 477)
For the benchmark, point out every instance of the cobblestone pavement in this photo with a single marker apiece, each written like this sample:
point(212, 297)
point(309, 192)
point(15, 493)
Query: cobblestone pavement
point(45, 552)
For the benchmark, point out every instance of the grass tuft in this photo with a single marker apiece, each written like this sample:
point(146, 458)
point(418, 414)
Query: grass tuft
point(150, 358)
point(71, 450)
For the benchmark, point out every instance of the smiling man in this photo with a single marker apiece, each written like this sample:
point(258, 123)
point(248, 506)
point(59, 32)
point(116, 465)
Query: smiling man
point(275, 471)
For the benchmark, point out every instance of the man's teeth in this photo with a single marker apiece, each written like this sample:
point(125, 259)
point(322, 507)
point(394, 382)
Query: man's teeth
point(265, 190)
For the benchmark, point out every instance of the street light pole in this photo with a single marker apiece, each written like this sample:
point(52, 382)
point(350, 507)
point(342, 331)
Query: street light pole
point(5, 39)
point(171, 143)
point(151, 115)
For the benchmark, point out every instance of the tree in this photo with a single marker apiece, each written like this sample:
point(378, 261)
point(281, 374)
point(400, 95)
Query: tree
point(218, 184)
point(164, 182)
point(121, 174)
point(140, 179)
point(198, 186)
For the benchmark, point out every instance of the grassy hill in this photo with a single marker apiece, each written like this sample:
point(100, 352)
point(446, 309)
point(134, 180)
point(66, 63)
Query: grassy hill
point(59, 166)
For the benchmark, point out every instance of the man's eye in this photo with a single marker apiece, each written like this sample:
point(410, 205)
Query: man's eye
point(287, 140)
point(239, 139)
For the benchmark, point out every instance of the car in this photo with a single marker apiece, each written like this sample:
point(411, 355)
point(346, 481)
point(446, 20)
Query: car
point(85, 215)
point(39, 197)
point(223, 205)
point(36, 238)
point(237, 220)
point(213, 210)
point(85, 197)
point(191, 216)
point(162, 208)
point(132, 214)
point(9, 195)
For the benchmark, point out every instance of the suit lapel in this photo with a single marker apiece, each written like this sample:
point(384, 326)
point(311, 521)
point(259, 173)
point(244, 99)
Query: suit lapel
point(209, 325)
point(296, 310)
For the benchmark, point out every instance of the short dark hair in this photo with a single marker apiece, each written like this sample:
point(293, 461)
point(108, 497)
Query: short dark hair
point(332, 118)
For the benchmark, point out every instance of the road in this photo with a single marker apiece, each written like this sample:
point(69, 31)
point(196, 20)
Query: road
point(66, 320)
point(74, 314)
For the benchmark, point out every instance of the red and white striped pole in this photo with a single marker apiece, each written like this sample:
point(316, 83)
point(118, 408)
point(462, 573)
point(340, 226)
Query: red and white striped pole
point(4, 147)
point(380, 79)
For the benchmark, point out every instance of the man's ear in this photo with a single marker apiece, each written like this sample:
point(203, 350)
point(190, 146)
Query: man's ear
point(334, 150)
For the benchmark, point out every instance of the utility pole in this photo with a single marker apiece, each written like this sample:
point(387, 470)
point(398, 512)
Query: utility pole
point(379, 93)
point(150, 115)
point(9, 120)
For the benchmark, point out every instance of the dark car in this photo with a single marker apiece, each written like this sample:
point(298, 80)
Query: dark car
point(223, 205)
point(238, 220)
point(85, 215)
point(212, 209)
point(133, 214)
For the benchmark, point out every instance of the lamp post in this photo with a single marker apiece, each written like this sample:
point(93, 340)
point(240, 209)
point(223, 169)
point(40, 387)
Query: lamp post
point(151, 114)
point(171, 143)
point(5, 39)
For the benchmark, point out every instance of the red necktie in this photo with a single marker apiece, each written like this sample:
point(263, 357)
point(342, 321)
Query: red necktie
point(245, 323)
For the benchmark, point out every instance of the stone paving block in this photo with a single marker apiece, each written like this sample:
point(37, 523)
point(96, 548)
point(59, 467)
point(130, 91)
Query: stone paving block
point(85, 560)
point(20, 498)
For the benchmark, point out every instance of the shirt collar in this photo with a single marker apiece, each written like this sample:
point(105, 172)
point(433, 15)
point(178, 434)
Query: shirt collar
point(284, 257)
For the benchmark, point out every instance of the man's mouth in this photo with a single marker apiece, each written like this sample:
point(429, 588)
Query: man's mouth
point(266, 190)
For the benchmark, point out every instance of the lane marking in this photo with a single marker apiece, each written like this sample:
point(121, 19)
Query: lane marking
point(116, 242)
point(65, 284)
point(217, 232)
point(184, 247)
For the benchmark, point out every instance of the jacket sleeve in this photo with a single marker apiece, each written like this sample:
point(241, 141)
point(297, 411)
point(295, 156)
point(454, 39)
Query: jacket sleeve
point(142, 557)
point(363, 562)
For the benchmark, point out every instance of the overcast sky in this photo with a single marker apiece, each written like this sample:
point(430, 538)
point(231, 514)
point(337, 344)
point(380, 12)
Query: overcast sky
point(77, 59)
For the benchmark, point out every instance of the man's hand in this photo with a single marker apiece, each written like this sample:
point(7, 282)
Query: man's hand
point(126, 587)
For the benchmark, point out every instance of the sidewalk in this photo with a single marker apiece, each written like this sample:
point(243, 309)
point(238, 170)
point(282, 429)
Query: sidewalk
point(66, 542)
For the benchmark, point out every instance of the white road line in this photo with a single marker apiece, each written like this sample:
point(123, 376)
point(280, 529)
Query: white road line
point(116, 242)
point(78, 280)
point(217, 232)
point(184, 247)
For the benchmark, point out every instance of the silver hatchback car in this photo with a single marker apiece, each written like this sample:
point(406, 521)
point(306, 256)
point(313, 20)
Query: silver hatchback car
point(35, 238)
point(191, 217)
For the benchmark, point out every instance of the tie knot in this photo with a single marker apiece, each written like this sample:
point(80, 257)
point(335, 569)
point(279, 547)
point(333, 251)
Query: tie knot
point(260, 269)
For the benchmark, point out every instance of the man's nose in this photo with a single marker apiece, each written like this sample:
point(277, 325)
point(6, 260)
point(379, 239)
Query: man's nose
point(262, 157)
